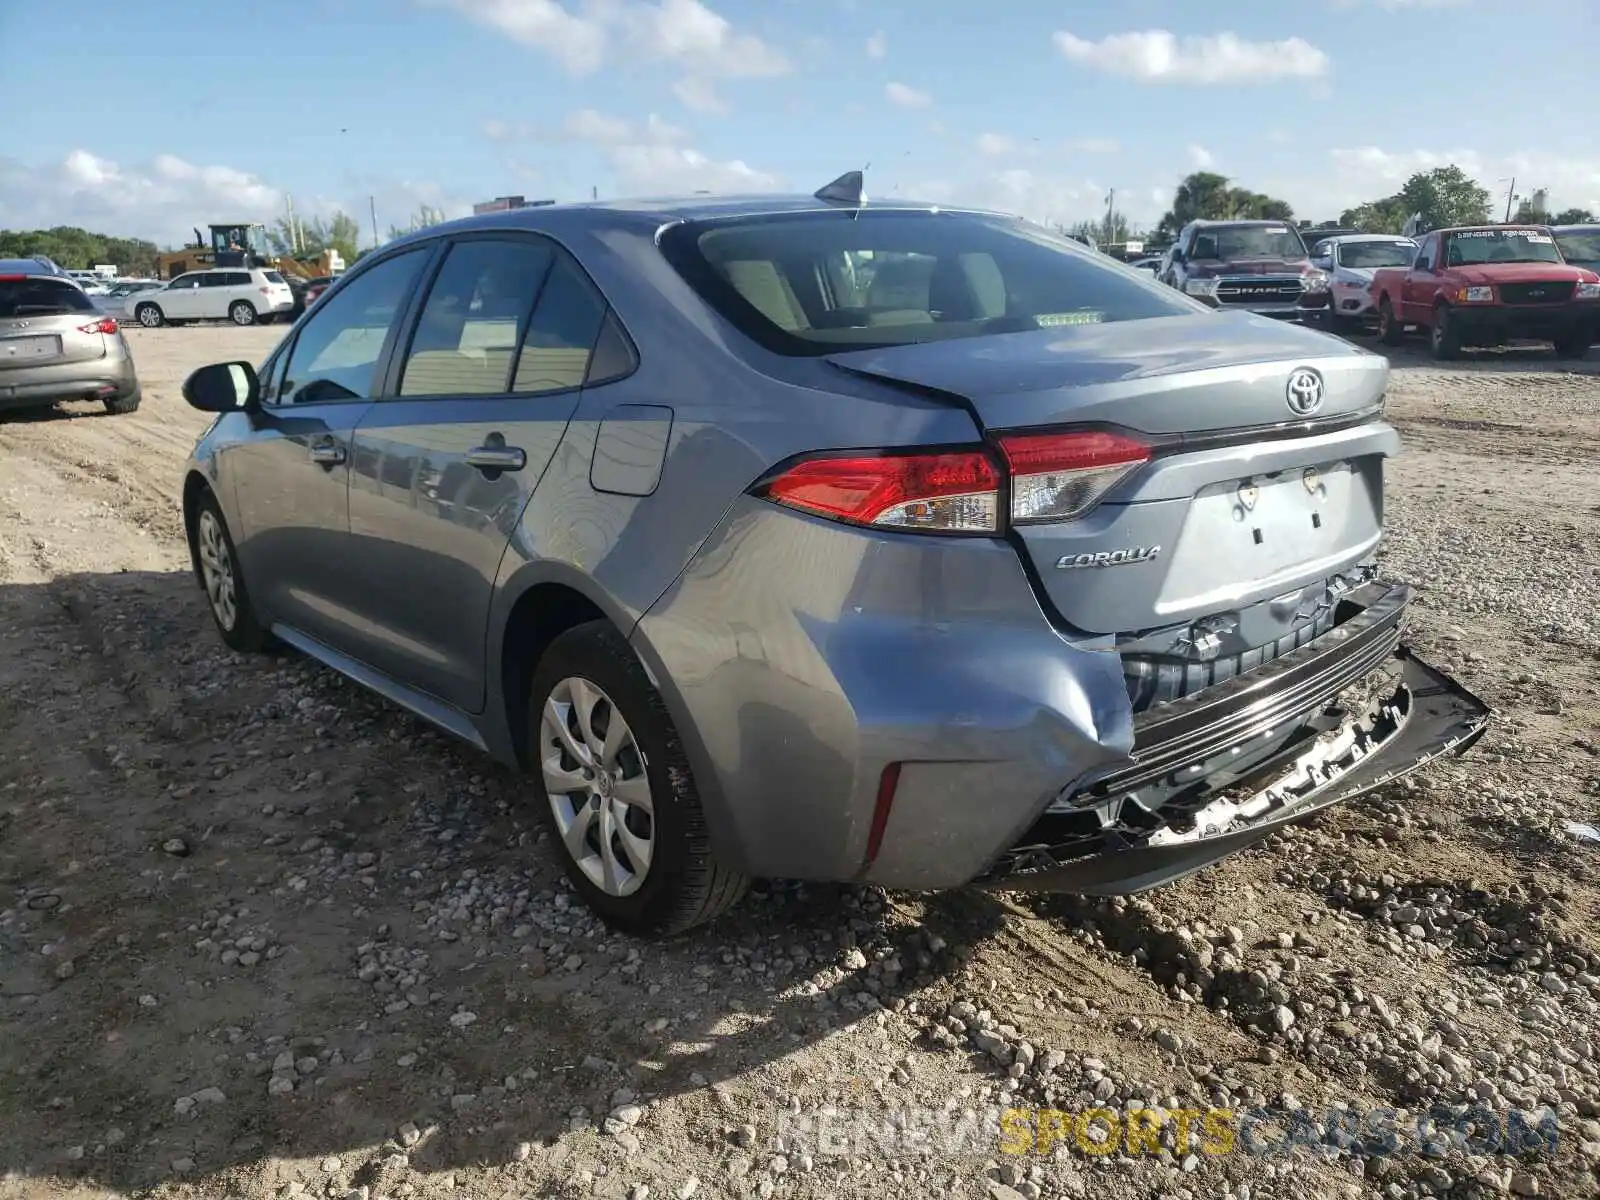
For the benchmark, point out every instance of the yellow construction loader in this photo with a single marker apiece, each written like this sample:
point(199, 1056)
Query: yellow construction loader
point(244, 244)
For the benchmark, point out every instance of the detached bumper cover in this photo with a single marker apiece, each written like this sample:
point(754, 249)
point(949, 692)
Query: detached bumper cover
point(1426, 715)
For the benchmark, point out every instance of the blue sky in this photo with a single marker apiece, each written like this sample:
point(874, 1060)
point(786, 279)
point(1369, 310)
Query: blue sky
point(1033, 106)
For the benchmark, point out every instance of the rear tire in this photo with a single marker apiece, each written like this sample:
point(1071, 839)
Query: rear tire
point(1444, 341)
point(149, 316)
point(121, 405)
point(625, 815)
point(242, 313)
point(216, 565)
point(1573, 346)
point(1391, 332)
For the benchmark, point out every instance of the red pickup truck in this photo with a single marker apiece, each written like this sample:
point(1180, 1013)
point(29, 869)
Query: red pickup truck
point(1488, 285)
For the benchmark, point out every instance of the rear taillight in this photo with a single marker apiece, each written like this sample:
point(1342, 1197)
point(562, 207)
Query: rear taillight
point(1050, 477)
point(1058, 476)
point(103, 325)
point(265, 291)
point(939, 491)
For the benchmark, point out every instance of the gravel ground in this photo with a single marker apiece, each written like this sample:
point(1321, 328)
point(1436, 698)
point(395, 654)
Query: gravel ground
point(262, 934)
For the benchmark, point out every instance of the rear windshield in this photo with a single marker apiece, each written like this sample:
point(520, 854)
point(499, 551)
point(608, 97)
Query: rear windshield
point(273, 277)
point(1475, 246)
point(1580, 245)
point(42, 296)
point(814, 283)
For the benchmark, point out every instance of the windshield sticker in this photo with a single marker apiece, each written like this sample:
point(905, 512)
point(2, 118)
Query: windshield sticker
point(1539, 239)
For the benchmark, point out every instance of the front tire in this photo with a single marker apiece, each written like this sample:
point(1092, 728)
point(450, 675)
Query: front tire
point(216, 563)
point(149, 316)
point(1444, 340)
point(1573, 346)
point(616, 791)
point(242, 313)
point(1391, 332)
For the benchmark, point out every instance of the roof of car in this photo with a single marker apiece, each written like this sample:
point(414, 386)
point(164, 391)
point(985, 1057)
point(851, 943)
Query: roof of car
point(663, 210)
point(1513, 227)
point(1574, 228)
point(1208, 221)
point(32, 266)
point(1341, 238)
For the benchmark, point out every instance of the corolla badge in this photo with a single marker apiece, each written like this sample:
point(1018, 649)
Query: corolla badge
point(1304, 392)
point(1108, 558)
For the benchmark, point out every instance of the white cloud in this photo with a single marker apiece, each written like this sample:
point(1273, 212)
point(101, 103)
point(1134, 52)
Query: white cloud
point(163, 199)
point(577, 43)
point(1159, 56)
point(996, 145)
point(1201, 157)
point(905, 96)
point(652, 156)
point(877, 45)
point(699, 96)
point(685, 33)
point(1357, 174)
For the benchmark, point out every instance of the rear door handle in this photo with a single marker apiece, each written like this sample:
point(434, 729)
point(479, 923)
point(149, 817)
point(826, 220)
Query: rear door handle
point(497, 457)
point(329, 453)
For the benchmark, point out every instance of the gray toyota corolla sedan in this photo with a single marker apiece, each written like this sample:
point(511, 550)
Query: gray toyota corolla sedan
point(814, 538)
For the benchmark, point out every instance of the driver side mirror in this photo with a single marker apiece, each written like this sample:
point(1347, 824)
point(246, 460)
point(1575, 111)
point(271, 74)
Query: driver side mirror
point(223, 388)
point(1177, 256)
point(1325, 263)
point(1422, 264)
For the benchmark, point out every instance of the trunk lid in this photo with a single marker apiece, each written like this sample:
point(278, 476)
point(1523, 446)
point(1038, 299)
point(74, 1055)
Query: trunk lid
point(1233, 509)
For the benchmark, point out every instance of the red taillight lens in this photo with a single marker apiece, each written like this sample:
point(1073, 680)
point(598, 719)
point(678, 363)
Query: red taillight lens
point(103, 325)
point(940, 491)
point(1058, 476)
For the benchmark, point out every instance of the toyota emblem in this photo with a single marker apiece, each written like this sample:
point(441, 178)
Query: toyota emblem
point(1304, 392)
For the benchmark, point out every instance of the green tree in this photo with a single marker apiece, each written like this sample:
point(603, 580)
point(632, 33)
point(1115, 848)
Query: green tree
point(1205, 195)
point(1573, 216)
point(338, 232)
point(1443, 196)
point(78, 249)
point(425, 216)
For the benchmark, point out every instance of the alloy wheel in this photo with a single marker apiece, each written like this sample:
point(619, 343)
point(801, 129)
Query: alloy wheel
point(216, 568)
point(594, 774)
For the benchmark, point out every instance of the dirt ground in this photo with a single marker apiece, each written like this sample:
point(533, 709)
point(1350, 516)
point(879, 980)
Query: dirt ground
point(262, 934)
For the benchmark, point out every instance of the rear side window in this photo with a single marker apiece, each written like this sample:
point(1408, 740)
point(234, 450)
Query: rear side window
point(42, 296)
point(815, 283)
point(555, 351)
point(466, 339)
point(273, 276)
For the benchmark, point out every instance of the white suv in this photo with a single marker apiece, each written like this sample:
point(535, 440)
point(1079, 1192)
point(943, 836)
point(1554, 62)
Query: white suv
point(243, 296)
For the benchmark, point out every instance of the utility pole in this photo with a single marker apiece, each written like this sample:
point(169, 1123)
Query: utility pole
point(1111, 200)
point(296, 244)
point(1510, 196)
point(372, 203)
point(594, 193)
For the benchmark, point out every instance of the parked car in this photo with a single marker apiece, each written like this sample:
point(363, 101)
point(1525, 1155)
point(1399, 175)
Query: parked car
point(1485, 285)
point(1580, 245)
point(315, 287)
point(55, 345)
point(115, 299)
point(1349, 262)
point(1257, 266)
point(242, 296)
point(1006, 568)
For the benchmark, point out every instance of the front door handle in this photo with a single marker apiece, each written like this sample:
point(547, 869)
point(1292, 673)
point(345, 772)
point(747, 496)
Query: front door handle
point(497, 456)
point(328, 453)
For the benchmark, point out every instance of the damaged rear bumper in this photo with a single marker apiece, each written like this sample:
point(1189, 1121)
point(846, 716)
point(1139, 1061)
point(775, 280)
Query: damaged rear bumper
point(1236, 763)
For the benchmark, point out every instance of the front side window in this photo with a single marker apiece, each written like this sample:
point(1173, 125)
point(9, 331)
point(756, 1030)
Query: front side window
point(337, 350)
point(814, 283)
point(1476, 247)
point(467, 336)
